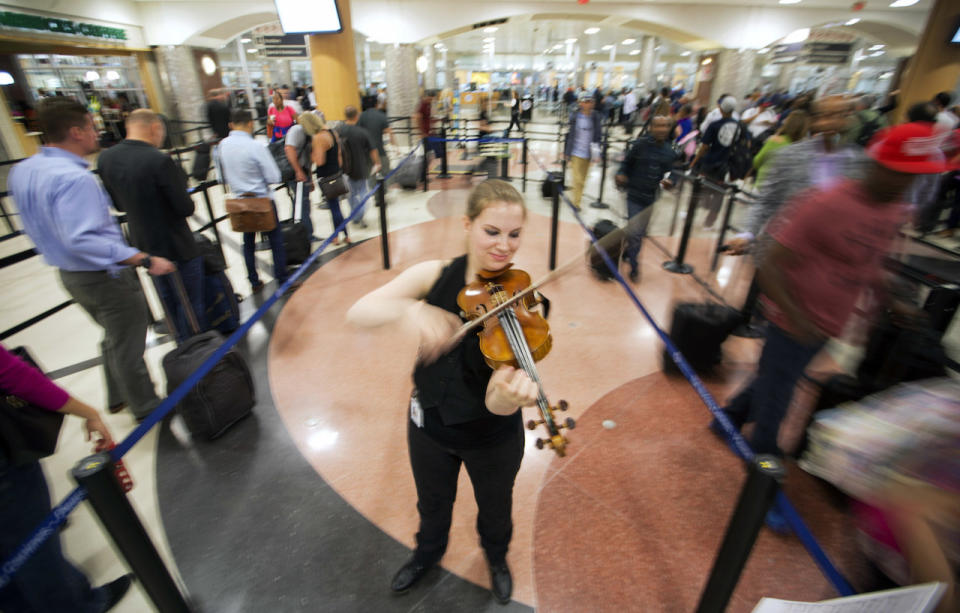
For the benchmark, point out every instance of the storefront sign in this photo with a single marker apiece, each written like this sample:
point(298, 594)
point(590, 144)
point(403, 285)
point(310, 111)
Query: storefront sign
point(285, 52)
point(59, 26)
point(813, 53)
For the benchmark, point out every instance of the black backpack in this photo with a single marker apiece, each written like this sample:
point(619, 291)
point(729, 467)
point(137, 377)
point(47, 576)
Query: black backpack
point(280, 157)
point(347, 165)
point(740, 162)
point(867, 129)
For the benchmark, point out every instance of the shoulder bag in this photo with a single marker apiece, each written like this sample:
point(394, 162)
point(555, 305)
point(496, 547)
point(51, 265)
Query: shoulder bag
point(27, 432)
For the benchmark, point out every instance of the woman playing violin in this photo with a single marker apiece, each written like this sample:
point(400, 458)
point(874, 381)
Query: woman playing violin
point(461, 411)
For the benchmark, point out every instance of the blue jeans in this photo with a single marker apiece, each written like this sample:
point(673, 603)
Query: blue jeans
point(304, 204)
point(358, 189)
point(276, 246)
point(191, 272)
point(48, 581)
point(765, 400)
point(638, 214)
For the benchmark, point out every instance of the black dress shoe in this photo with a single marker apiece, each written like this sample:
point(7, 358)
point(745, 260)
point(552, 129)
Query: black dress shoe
point(115, 590)
point(409, 573)
point(501, 583)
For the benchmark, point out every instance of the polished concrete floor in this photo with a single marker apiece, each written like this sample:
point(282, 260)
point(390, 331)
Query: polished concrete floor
point(309, 505)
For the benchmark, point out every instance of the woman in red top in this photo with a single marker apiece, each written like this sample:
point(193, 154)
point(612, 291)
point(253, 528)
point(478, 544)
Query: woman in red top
point(279, 117)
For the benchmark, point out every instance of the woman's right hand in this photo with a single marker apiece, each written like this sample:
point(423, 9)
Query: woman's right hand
point(437, 329)
point(97, 429)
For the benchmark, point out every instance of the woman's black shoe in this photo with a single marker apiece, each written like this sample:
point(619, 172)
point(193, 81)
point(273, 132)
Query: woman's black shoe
point(116, 590)
point(501, 583)
point(409, 573)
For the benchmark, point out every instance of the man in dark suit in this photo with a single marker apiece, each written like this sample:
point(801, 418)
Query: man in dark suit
point(151, 189)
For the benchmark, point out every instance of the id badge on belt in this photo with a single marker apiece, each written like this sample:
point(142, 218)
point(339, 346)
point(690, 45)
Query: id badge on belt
point(416, 411)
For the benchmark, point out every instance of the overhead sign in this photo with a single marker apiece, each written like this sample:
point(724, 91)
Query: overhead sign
point(813, 53)
point(59, 26)
point(284, 40)
point(284, 52)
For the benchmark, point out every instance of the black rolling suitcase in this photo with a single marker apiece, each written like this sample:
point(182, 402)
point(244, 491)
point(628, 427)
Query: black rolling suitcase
point(408, 175)
point(698, 330)
point(546, 188)
point(225, 395)
point(201, 162)
point(613, 240)
point(296, 241)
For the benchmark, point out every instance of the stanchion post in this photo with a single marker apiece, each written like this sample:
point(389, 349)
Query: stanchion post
point(731, 201)
point(444, 169)
point(599, 204)
point(505, 165)
point(763, 481)
point(213, 220)
point(96, 474)
point(677, 264)
point(6, 217)
point(556, 189)
point(382, 205)
point(524, 162)
point(424, 174)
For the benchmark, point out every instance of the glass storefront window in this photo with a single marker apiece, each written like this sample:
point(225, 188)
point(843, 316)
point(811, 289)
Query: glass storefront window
point(100, 79)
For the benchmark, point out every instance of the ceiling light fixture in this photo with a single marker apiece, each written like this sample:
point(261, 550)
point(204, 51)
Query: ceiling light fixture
point(246, 40)
point(251, 50)
point(797, 36)
point(635, 52)
point(789, 1)
point(685, 54)
point(6, 78)
point(876, 47)
point(629, 41)
point(92, 75)
point(607, 47)
point(490, 39)
point(592, 51)
point(591, 30)
point(902, 3)
point(764, 51)
point(490, 30)
point(852, 22)
point(570, 41)
point(706, 61)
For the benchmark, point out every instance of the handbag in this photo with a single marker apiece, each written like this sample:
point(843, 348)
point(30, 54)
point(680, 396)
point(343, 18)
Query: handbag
point(27, 432)
point(251, 214)
point(333, 186)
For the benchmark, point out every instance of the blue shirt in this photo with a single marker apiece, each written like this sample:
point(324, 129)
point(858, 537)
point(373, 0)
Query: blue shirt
point(583, 136)
point(66, 212)
point(247, 165)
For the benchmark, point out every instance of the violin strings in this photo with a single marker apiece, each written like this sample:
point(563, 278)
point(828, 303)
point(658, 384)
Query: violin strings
point(522, 350)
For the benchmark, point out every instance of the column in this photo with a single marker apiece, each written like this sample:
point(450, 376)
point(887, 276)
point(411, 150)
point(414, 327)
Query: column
point(403, 93)
point(734, 72)
point(647, 71)
point(333, 64)
point(430, 74)
point(935, 66)
point(181, 80)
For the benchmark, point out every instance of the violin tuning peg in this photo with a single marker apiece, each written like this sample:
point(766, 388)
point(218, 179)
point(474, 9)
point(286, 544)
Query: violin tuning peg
point(562, 405)
point(543, 442)
point(533, 423)
point(569, 423)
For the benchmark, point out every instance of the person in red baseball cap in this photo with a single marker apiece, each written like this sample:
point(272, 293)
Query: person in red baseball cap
point(821, 252)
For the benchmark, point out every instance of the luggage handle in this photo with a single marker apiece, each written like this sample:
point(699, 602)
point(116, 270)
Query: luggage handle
point(297, 202)
point(185, 303)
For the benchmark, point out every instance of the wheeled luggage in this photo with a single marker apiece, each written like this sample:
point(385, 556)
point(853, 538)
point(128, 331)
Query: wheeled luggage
point(296, 241)
point(546, 188)
point(408, 175)
point(613, 240)
point(698, 330)
point(225, 395)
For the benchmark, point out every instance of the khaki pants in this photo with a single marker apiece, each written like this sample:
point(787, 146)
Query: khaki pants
point(578, 169)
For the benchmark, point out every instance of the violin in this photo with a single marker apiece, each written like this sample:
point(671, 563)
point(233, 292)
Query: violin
point(517, 336)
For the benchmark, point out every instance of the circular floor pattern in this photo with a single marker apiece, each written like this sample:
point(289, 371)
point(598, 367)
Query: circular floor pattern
point(342, 392)
point(633, 521)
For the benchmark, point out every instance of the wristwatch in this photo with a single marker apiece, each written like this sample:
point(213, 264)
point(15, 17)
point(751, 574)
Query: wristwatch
point(145, 262)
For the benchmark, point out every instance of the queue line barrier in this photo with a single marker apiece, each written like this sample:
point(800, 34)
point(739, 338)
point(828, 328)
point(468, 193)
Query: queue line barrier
point(764, 473)
point(95, 474)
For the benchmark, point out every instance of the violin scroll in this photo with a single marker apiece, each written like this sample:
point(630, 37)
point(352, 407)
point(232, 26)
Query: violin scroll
point(556, 441)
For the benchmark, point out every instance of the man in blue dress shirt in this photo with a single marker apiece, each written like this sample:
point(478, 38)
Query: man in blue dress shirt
point(247, 167)
point(66, 212)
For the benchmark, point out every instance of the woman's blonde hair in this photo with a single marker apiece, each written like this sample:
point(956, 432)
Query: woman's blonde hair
point(795, 126)
point(311, 123)
point(490, 192)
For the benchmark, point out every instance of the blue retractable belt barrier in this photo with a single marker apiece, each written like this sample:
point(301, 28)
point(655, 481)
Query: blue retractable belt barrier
point(492, 139)
point(737, 442)
point(50, 525)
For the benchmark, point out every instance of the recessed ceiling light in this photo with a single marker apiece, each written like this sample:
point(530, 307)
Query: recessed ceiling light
point(789, 1)
point(490, 39)
point(490, 30)
point(851, 22)
point(635, 52)
point(607, 47)
point(592, 51)
point(246, 40)
point(591, 30)
point(251, 50)
point(876, 54)
point(685, 54)
point(764, 50)
point(876, 47)
point(570, 41)
point(629, 41)
point(902, 3)
point(707, 61)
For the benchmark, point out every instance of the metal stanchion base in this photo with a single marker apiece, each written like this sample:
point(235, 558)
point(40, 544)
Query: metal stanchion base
point(747, 331)
point(444, 175)
point(599, 205)
point(677, 267)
